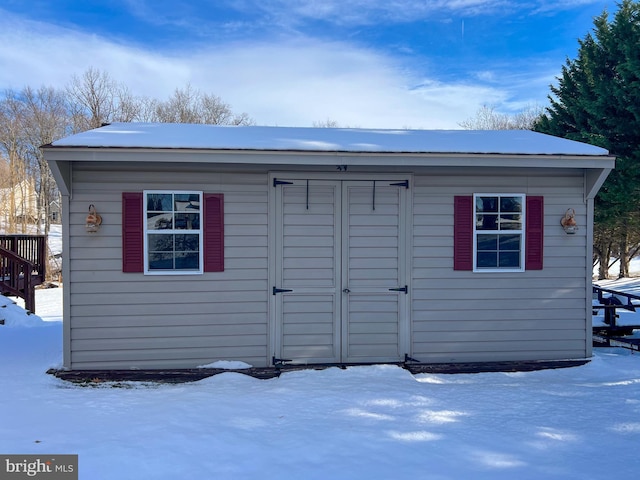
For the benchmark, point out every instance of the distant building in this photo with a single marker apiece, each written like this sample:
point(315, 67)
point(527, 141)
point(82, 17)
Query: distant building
point(24, 199)
point(55, 212)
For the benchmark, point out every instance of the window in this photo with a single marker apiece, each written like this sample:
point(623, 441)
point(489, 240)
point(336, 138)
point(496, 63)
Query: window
point(135, 224)
point(499, 232)
point(173, 232)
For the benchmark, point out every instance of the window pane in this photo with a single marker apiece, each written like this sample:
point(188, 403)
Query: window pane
point(487, 242)
point(510, 222)
point(510, 204)
point(510, 242)
point(510, 259)
point(160, 261)
point(486, 204)
point(187, 221)
point(187, 243)
point(159, 221)
point(187, 261)
point(159, 202)
point(160, 243)
point(187, 202)
point(487, 259)
point(486, 222)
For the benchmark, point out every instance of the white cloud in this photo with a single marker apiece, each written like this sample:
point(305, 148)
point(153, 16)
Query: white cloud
point(288, 14)
point(297, 84)
point(550, 6)
point(367, 12)
point(36, 53)
point(486, 76)
point(287, 83)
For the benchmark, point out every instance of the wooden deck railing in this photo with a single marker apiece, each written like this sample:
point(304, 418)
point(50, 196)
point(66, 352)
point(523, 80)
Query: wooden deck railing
point(23, 261)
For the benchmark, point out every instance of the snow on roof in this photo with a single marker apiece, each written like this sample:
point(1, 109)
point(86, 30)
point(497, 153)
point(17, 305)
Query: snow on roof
point(216, 137)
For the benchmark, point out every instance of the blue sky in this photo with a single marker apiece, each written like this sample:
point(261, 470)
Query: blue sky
point(361, 63)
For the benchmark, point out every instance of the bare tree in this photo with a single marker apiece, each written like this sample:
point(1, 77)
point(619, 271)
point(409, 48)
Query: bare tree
point(46, 120)
point(190, 105)
point(4, 171)
point(30, 118)
point(217, 112)
point(14, 148)
point(328, 123)
point(93, 99)
point(129, 106)
point(181, 107)
point(146, 109)
point(5, 191)
point(488, 118)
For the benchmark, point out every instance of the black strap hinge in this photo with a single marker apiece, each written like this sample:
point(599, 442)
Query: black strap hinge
point(281, 290)
point(408, 359)
point(278, 362)
point(277, 182)
point(404, 289)
point(404, 184)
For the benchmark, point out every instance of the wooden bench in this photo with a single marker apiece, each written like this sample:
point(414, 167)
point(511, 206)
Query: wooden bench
point(609, 301)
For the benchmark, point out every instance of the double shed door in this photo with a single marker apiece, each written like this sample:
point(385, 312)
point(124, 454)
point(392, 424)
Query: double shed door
point(340, 289)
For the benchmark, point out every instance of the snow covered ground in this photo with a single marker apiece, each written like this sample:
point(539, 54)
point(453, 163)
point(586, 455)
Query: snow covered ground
point(377, 422)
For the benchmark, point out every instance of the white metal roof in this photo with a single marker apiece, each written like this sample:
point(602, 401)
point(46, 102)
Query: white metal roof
point(253, 138)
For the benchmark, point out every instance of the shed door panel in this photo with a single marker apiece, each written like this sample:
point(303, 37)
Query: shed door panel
point(371, 252)
point(308, 244)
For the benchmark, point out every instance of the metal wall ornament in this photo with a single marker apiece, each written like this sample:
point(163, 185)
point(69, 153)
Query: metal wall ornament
point(569, 223)
point(93, 221)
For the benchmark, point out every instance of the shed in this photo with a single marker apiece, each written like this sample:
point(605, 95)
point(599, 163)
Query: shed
point(273, 245)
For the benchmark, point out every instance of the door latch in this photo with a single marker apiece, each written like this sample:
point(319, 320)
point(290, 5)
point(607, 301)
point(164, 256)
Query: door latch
point(346, 290)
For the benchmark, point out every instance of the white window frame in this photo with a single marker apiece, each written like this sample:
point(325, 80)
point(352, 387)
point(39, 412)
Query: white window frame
point(521, 232)
point(173, 231)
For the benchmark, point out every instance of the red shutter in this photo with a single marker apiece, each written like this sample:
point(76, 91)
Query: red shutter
point(534, 233)
point(213, 232)
point(132, 241)
point(463, 233)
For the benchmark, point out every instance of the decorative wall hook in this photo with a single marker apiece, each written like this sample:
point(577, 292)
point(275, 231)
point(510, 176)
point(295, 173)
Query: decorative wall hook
point(93, 221)
point(568, 222)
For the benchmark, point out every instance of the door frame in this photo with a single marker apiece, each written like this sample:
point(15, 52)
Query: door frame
point(405, 219)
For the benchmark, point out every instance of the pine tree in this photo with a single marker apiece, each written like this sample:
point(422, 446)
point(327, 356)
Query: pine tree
point(597, 100)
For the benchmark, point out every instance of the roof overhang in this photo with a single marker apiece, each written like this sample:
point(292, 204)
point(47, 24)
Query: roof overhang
point(61, 159)
point(265, 157)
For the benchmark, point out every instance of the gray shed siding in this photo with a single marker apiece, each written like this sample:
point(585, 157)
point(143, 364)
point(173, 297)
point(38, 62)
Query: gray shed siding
point(460, 316)
point(123, 320)
point(120, 320)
